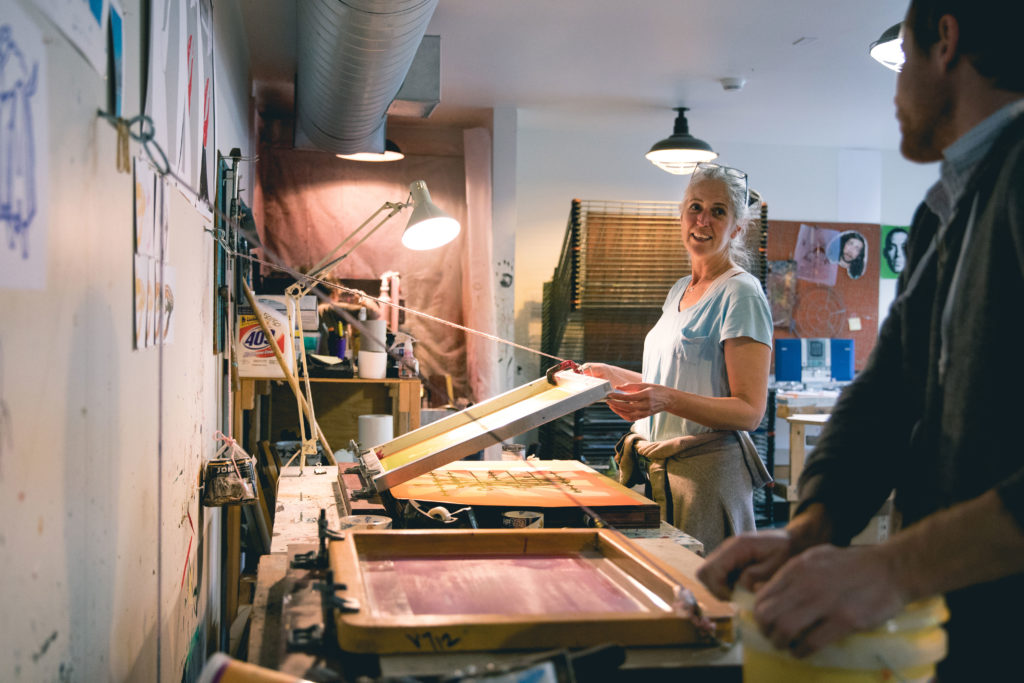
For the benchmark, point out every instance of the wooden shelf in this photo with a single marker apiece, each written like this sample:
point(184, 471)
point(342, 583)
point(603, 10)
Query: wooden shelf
point(338, 403)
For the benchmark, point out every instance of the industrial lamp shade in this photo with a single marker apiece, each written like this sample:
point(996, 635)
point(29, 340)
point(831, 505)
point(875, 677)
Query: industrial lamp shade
point(391, 153)
point(429, 227)
point(680, 152)
point(888, 49)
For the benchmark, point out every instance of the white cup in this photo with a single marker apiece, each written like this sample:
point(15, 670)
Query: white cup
point(373, 364)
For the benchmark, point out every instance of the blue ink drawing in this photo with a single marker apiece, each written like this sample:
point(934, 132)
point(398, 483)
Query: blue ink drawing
point(17, 144)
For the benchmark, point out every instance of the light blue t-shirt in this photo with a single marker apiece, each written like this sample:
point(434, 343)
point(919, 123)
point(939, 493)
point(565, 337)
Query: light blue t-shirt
point(685, 349)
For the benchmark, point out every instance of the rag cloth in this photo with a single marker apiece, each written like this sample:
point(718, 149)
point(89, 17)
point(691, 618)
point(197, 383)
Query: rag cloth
point(704, 484)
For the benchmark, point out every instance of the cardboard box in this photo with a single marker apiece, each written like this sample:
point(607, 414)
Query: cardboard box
point(255, 356)
point(307, 309)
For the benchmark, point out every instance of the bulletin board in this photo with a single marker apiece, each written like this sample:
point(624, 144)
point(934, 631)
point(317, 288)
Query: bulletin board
point(815, 294)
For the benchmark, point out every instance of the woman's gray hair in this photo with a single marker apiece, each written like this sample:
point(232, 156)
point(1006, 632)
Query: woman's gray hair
point(739, 197)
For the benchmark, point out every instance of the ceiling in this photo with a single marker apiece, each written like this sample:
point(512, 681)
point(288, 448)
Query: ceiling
point(808, 77)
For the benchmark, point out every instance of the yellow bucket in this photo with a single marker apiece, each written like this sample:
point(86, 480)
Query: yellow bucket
point(904, 648)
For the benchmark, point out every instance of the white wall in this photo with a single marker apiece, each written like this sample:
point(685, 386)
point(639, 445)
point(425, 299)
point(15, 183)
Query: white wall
point(562, 158)
point(104, 546)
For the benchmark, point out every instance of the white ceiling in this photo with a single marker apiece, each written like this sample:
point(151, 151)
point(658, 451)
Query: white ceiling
point(809, 80)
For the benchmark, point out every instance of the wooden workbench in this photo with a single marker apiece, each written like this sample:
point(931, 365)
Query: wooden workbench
point(300, 499)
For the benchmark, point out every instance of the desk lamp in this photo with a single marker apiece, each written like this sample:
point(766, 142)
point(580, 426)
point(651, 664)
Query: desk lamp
point(428, 228)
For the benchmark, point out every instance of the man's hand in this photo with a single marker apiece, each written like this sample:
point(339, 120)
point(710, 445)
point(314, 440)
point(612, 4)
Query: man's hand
point(747, 561)
point(825, 594)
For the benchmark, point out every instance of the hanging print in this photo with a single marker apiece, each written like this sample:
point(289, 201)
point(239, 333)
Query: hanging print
point(23, 152)
point(849, 250)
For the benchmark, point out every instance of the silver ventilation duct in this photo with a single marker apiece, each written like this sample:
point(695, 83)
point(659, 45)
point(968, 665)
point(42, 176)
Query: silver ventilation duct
point(351, 60)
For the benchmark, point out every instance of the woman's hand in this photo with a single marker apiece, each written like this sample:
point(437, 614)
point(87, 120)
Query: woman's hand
point(634, 401)
point(615, 375)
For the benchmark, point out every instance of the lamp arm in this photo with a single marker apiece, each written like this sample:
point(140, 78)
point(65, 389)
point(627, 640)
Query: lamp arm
point(303, 286)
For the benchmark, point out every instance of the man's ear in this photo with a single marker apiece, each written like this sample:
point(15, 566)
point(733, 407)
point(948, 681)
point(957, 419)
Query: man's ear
point(947, 49)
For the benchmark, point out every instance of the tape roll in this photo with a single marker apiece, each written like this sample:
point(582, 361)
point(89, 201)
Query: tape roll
point(440, 513)
point(375, 430)
point(522, 519)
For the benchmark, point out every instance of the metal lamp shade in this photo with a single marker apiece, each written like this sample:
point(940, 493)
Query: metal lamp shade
point(429, 227)
point(888, 49)
point(680, 152)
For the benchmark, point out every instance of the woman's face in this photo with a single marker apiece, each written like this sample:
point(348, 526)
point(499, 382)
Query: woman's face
point(852, 249)
point(707, 219)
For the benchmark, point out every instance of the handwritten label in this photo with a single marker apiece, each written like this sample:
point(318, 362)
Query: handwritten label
point(436, 642)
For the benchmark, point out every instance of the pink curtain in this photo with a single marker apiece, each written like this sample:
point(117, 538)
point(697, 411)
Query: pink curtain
point(312, 200)
point(309, 201)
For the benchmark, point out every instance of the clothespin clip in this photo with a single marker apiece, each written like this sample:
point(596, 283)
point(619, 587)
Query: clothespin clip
point(564, 365)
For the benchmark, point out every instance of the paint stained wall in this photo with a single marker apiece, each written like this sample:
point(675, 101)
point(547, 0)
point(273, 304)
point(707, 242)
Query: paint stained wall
point(106, 552)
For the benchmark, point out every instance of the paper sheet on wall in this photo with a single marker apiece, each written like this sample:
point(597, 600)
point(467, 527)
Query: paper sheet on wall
point(117, 47)
point(179, 94)
point(84, 23)
point(24, 152)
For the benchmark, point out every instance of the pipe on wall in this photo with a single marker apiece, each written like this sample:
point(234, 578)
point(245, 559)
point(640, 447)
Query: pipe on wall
point(352, 58)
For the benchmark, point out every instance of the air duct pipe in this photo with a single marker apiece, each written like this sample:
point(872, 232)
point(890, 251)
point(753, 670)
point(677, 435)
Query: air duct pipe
point(352, 57)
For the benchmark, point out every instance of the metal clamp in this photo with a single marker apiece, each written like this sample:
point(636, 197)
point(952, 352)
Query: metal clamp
point(306, 639)
point(310, 560)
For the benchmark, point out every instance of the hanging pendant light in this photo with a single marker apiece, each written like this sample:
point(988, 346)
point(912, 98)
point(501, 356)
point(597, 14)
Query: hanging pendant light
point(888, 49)
point(680, 152)
point(391, 153)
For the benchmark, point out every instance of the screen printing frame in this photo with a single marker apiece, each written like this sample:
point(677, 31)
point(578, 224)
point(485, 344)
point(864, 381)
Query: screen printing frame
point(485, 424)
point(666, 617)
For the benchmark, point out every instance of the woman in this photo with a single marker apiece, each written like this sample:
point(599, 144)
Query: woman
point(705, 373)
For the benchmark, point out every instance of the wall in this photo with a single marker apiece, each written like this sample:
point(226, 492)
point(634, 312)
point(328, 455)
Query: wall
point(561, 158)
point(107, 554)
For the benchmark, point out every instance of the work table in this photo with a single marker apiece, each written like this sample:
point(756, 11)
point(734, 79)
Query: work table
point(300, 499)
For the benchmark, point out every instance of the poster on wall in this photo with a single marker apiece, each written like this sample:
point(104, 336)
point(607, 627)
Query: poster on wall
point(145, 208)
point(153, 279)
point(84, 23)
point(141, 305)
point(179, 93)
point(894, 250)
point(164, 282)
point(117, 53)
point(206, 160)
point(24, 152)
point(811, 255)
point(849, 251)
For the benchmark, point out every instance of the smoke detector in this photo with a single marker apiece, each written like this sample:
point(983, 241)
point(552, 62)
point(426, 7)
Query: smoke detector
point(733, 83)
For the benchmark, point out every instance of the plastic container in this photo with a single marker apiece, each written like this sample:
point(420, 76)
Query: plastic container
point(904, 648)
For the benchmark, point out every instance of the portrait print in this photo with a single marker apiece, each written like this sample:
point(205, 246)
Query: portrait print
point(894, 250)
point(850, 251)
